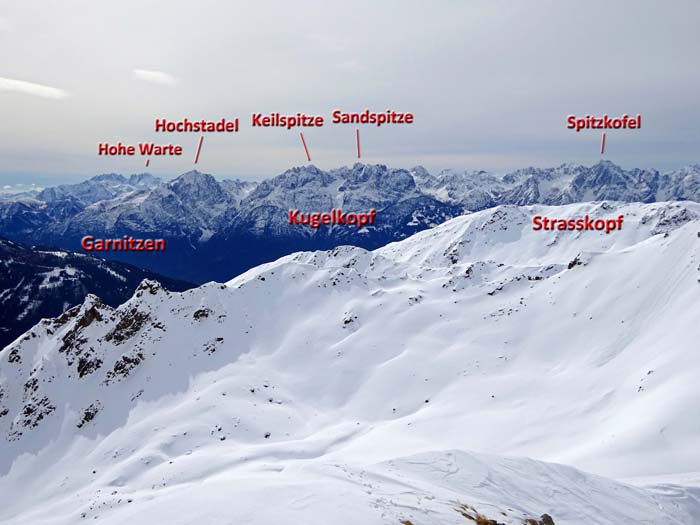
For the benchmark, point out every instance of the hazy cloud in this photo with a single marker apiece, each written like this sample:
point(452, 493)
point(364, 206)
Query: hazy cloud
point(157, 77)
point(31, 88)
point(350, 66)
point(490, 82)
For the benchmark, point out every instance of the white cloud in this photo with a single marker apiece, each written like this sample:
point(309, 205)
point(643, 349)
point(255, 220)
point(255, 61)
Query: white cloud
point(157, 77)
point(31, 88)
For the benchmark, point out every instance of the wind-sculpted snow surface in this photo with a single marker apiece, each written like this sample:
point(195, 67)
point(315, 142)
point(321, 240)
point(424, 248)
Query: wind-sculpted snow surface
point(348, 386)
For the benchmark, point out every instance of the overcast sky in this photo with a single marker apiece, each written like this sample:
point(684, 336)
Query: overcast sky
point(490, 82)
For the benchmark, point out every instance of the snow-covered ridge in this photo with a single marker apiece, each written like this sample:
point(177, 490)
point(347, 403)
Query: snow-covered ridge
point(37, 283)
point(196, 203)
point(351, 383)
point(223, 228)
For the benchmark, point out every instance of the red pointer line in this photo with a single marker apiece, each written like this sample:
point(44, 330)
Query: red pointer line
point(308, 157)
point(602, 144)
point(199, 148)
point(357, 141)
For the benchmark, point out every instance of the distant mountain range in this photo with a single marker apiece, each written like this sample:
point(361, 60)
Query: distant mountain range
point(38, 283)
point(215, 230)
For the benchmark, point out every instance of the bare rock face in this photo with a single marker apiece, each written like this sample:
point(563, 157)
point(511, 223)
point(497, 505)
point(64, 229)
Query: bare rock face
point(86, 341)
point(42, 283)
point(130, 323)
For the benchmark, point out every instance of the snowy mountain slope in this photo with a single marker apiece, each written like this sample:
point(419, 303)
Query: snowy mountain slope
point(37, 282)
point(186, 206)
point(348, 384)
point(220, 229)
point(445, 488)
point(99, 188)
point(564, 184)
point(24, 216)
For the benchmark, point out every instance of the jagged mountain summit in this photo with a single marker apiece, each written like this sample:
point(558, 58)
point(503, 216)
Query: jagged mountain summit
point(38, 283)
point(354, 383)
point(216, 230)
point(101, 187)
point(565, 184)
